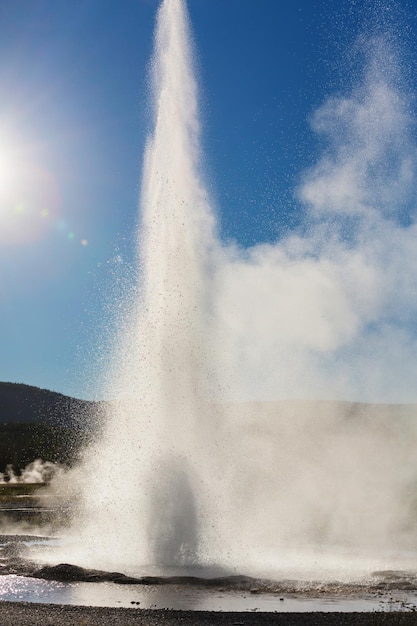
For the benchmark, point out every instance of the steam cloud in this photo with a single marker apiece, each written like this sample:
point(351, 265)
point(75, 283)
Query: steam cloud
point(306, 489)
point(38, 471)
point(328, 312)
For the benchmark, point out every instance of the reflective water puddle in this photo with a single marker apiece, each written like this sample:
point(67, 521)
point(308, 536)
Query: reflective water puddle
point(390, 590)
point(25, 589)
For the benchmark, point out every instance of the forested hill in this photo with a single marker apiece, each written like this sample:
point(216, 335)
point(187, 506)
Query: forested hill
point(24, 404)
point(37, 423)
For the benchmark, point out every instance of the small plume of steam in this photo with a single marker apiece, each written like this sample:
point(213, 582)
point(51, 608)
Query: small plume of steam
point(38, 471)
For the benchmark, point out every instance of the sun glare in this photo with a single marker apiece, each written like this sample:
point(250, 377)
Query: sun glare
point(28, 196)
point(8, 176)
point(30, 199)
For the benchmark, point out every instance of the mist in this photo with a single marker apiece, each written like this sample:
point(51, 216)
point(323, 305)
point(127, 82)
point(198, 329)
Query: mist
point(241, 437)
point(328, 312)
point(38, 471)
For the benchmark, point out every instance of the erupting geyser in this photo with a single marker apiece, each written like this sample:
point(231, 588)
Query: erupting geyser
point(183, 477)
point(154, 443)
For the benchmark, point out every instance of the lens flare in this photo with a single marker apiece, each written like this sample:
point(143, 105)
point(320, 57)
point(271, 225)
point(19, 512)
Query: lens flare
point(29, 200)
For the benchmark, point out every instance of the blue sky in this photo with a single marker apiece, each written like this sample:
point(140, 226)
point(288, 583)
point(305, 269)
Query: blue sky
point(74, 117)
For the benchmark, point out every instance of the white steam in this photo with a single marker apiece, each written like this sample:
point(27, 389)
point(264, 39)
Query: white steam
point(329, 312)
point(179, 477)
point(38, 471)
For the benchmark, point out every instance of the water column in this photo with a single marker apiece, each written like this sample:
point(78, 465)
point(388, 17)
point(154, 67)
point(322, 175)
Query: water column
point(175, 239)
point(156, 439)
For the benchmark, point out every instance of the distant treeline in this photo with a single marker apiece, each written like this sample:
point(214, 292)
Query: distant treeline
point(20, 444)
point(37, 423)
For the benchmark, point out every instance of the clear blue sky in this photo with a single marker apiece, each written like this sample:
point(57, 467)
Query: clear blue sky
point(73, 123)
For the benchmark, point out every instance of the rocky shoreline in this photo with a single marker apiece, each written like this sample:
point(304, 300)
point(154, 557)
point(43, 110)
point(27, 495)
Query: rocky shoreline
point(26, 614)
point(15, 559)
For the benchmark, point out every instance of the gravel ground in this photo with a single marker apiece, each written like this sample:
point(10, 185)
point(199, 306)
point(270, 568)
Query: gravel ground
point(26, 614)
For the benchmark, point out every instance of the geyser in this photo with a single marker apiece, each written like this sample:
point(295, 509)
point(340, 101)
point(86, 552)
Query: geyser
point(182, 475)
point(158, 434)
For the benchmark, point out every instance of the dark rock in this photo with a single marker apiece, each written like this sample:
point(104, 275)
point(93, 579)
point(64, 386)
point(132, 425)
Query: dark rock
point(67, 572)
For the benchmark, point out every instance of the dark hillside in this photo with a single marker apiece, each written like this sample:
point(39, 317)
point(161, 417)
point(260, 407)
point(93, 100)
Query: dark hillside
point(20, 444)
point(36, 423)
point(25, 404)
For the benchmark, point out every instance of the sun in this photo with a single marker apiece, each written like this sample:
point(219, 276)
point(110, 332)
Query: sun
point(28, 195)
point(9, 168)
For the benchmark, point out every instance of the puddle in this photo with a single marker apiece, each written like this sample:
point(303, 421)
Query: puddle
point(387, 591)
point(25, 589)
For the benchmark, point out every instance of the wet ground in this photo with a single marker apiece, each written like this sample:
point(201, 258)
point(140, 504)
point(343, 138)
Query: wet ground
point(25, 580)
point(24, 614)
